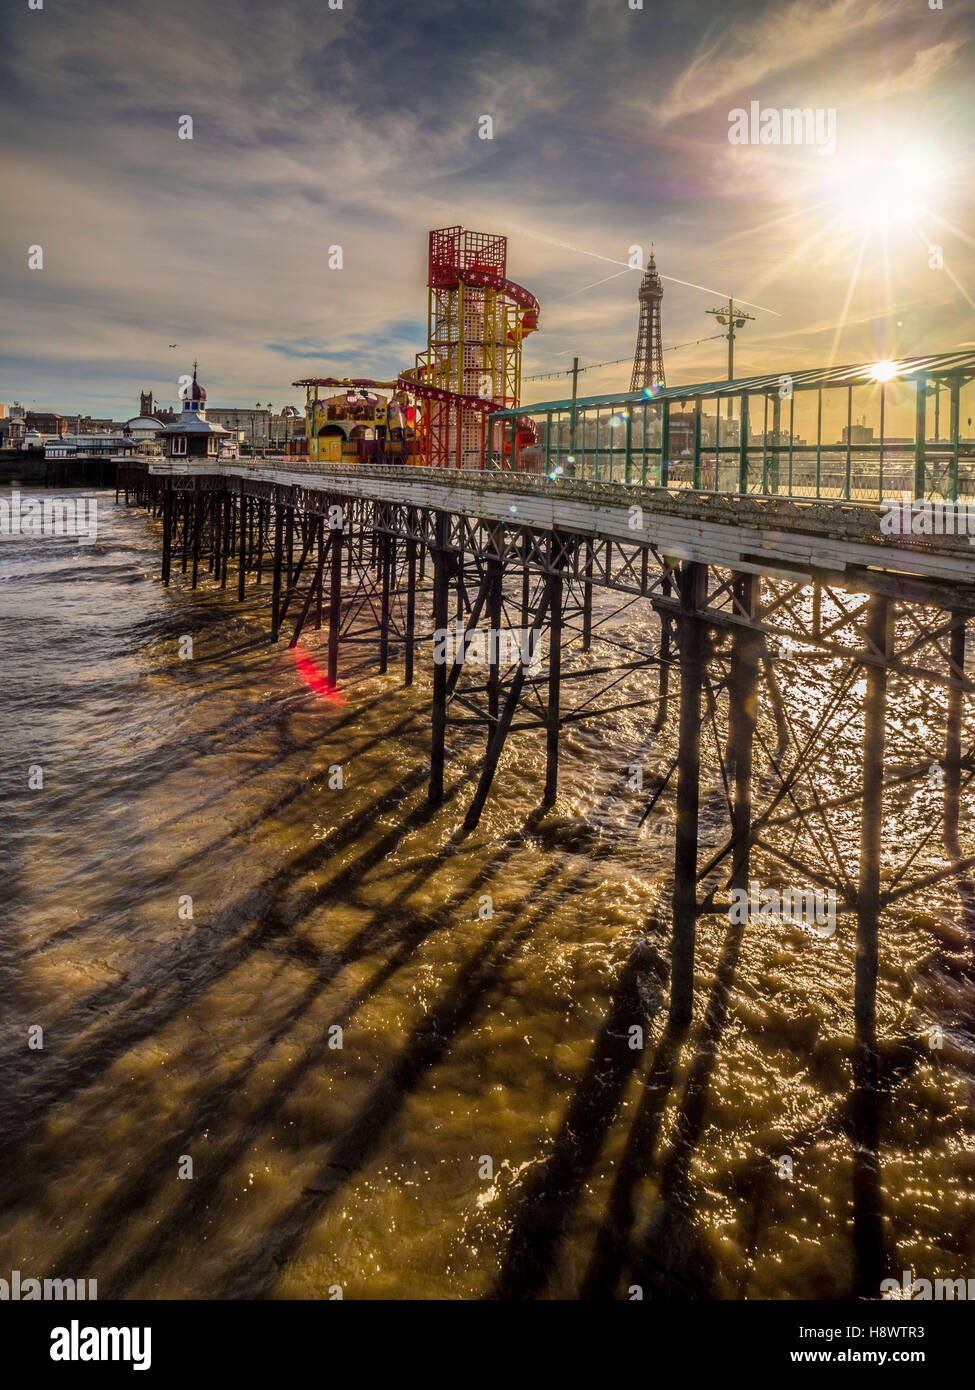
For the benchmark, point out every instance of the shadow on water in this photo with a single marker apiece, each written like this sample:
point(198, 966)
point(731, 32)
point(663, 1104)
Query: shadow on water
point(669, 1259)
point(189, 971)
point(394, 929)
point(611, 1201)
point(547, 1202)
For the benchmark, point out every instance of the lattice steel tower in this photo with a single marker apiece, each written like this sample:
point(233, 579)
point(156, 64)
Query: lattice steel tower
point(648, 362)
point(476, 320)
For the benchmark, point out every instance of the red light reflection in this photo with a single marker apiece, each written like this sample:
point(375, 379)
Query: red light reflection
point(312, 676)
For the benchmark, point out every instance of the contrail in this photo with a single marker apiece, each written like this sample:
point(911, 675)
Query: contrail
point(566, 246)
point(581, 251)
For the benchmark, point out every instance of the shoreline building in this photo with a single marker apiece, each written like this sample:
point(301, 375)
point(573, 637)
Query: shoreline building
point(648, 360)
point(258, 427)
point(142, 428)
point(193, 435)
point(150, 409)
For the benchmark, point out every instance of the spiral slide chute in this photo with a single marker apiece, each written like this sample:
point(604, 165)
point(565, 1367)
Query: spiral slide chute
point(471, 369)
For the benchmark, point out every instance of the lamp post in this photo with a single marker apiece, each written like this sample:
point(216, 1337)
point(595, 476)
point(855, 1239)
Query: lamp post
point(732, 318)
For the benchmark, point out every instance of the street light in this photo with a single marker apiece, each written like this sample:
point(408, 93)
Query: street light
point(731, 318)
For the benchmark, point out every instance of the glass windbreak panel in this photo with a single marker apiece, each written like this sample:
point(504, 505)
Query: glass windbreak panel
point(939, 475)
point(597, 440)
point(805, 434)
point(900, 406)
point(729, 435)
point(650, 454)
point(760, 429)
point(550, 437)
point(832, 470)
point(966, 440)
point(613, 449)
point(570, 451)
point(587, 444)
point(633, 471)
point(937, 413)
point(709, 438)
point(865, 409)
point(680, 472)
point(547, 431)
point(727, 472)
point(939, 462)
point(862, 433)
point(728, 422)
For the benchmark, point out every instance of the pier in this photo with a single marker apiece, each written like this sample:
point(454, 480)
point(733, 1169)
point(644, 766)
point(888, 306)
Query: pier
point(752, 591)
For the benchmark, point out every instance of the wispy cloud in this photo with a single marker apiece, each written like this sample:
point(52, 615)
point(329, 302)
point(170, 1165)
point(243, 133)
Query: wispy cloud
point(806, 48)
point(359, 127)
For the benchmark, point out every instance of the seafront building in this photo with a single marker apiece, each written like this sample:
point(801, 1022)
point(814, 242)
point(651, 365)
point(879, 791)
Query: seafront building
point(193, 435)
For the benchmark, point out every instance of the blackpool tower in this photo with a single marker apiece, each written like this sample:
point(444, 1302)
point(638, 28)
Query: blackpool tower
point(648, 362)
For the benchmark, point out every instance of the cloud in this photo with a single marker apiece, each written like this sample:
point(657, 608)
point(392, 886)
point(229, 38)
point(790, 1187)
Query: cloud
point(358, 127)
point(807, 47)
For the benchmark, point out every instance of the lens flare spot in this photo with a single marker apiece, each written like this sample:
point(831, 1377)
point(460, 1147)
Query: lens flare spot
point(312, 676)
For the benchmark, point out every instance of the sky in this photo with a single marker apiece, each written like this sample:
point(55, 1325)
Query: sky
point(360, 126)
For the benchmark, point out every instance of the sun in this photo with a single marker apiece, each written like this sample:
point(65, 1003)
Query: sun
point(880, 191)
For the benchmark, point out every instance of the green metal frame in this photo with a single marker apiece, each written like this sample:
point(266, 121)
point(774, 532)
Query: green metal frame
point(839, 469)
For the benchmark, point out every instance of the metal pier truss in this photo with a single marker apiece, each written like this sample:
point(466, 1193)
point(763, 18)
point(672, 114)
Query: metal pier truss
point(785, 632)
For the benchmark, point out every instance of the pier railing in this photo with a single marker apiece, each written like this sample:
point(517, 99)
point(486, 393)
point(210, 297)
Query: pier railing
point(879, 431)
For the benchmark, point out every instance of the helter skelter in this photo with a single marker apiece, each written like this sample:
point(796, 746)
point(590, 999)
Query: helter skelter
point(476, 321)
point(471, 369)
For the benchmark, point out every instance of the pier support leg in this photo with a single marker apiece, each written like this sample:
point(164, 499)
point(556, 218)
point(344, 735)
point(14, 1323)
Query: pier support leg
point(494, 608)
point(167, 554)
point(242, 541)
point(690, 640)
point(385, 565)
point(745, 655)
point(335, 605)
point(504, 722)
point(198, 514)
point(867, 1219)
point(289, 532)
point(321, 581)
point(216, 535)
point(663, 683)
point(316, 572)
point(276, 576)
point(952, 775)
point(554, 692)
point(227, 503)
point(587, 601)
point(442, 566)
point(186, 507)
point(461, 590)
point(410, 611)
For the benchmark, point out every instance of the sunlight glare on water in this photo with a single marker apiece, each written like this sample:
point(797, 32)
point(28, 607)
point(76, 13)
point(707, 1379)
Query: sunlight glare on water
point(464, 1035)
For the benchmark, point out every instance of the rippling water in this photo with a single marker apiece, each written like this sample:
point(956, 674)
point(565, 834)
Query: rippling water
point(464, 1037)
